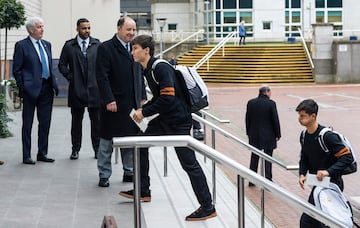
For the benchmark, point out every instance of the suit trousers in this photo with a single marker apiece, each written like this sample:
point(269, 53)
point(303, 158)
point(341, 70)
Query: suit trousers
point(104, 159)
point(268, 165)
point(77, 115)
point(186, 157)
point(43, 104)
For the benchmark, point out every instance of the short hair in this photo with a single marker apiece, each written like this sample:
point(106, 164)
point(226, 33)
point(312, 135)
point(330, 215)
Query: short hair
point(145, 41)
point(309, 106)
point(81, 20)
point(264, 89)
point(30, 23)
point(122, 20)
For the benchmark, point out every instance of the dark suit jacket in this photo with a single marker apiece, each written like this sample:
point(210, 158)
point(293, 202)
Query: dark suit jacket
point(27, 68)
point(119, 79)
point(83, 88)
point(262, 122)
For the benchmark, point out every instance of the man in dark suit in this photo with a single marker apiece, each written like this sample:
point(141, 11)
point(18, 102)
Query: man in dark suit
point(122, 89)
point(32, 69)
point(262, 127)
point(77, 64)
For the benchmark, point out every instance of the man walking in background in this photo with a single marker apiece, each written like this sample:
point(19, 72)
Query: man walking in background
point(77, 64)
point(262, 128)
point(32, 69)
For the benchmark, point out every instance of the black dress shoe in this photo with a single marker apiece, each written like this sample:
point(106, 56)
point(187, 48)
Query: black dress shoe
point(45, 159)
point(74, 155)
point(29, 161)
point(127, 178)
point(104, 182)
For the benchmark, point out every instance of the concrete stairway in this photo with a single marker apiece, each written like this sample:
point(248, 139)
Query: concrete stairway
point(173, 198)
point(253, 63)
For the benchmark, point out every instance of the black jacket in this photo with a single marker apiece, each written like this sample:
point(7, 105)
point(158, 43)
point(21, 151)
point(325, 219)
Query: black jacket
point(168, 99)
point(262, 122)
point(80, 72)
point(119, 79)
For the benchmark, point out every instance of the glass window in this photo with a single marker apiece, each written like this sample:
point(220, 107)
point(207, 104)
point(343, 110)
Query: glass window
point(246, 16)
point(320, 17)
point(267, 25)
point(338, 30)
point(295, 31)
point(172, 27)
point(245, 4)
point(286, 4)
point(229, 4)
point(295, 4)
point(319, 3)
point(334, 16)
point(334, 3)
point(217, 4)
point(229, 17)
point(295, 17)
point(287, 17)
point(218, 18)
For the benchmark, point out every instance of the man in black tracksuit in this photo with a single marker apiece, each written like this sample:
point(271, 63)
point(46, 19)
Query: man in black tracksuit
point(174, 119)
point(315, 160)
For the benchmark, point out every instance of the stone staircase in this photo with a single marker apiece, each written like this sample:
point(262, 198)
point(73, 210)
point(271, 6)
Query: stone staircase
point(253, 63)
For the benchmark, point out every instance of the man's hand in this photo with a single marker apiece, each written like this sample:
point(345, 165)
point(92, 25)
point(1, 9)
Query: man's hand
point(302, 180)
point(321, 174)
point(138, 116)
point(111, 107)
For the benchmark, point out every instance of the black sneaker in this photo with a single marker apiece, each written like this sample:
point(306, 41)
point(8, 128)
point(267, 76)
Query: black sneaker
point(198, 134)
point(104, 182)
point(202, 213)
point(145, 196)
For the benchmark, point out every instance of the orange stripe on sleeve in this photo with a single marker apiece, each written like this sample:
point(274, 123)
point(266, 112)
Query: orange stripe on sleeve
point(342, 152)
point(168, 91)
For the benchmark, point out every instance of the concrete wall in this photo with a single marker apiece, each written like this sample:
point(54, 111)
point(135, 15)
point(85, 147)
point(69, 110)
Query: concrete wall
point(346, 61)
point(322, 54)
point(61, 16)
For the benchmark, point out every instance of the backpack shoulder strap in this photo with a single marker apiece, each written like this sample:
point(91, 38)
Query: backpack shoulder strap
point(302, 137)
point(156, 62)
point(321, 139)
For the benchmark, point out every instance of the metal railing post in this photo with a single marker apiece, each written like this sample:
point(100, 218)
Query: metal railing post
point(213, 166)
point(262, 192)
point(241, 201)
point(165, 161)
point(137, 218)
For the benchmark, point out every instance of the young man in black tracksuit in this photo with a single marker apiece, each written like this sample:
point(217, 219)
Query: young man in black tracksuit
point(316, 161)
point(174, 119)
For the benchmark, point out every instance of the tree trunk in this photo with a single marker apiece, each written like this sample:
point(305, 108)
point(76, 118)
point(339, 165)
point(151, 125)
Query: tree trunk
point(5, 57)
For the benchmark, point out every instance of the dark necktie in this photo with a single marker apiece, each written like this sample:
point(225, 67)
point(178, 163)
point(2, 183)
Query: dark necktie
point(45, 68)
point(127, 48)
point(83, 49)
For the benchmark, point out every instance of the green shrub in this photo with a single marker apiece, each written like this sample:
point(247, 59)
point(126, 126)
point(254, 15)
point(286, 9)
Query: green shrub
point(4, 119)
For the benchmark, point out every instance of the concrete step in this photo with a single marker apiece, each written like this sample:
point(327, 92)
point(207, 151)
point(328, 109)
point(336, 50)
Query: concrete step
point(173, 198)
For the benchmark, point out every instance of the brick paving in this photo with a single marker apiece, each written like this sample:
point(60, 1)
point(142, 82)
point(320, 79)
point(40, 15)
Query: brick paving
point(339, 106)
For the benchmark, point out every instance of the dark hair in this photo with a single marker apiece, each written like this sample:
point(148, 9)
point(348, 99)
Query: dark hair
point(122, 20)
point(81, 20)
point(145, 41)
point(309, 106)
point(264, 89)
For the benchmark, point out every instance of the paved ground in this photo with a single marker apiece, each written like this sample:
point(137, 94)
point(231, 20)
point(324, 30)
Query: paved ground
point(73, 184)
point(339, 106)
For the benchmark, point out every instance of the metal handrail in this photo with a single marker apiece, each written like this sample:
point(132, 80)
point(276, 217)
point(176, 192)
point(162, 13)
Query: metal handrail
point(245, 144)
point(182, 41)
point(214, 50)
point(138, 142)
point(306, 49)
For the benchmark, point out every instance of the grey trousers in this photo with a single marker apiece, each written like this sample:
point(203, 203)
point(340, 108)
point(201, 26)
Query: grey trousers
point(104, 159)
